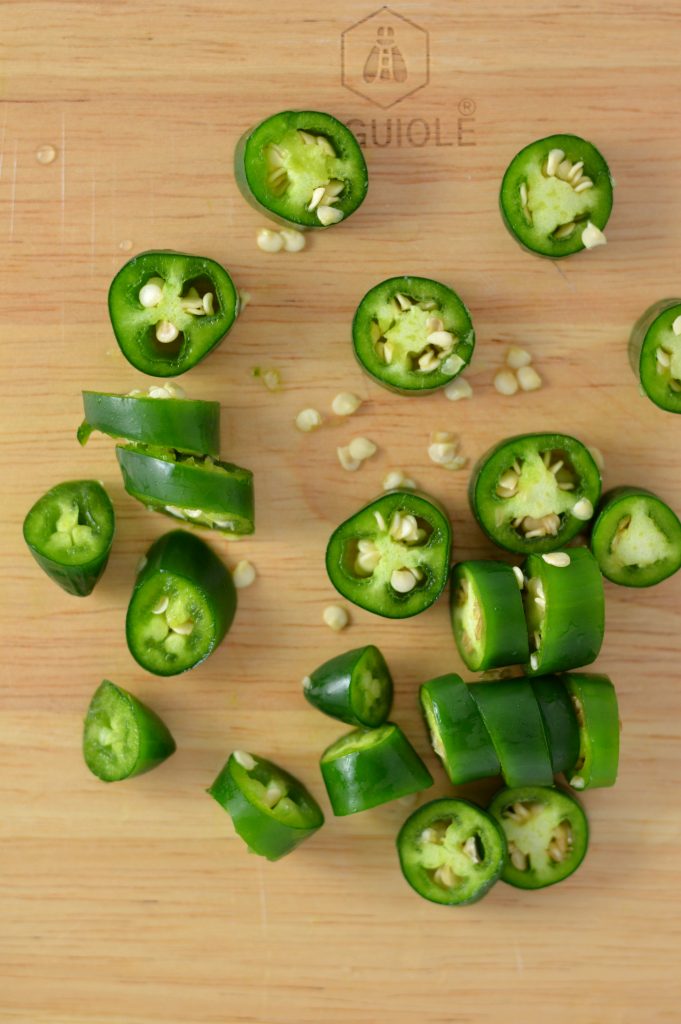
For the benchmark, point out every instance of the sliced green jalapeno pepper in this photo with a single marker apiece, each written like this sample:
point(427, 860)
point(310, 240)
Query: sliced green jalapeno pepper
point(122, 737)
point(534, 492)
point(271, 810)
point(200, 490)
point(511, 715)
point(392, 557)
point(69, 532)
point(457, 732)
point(412, 335)
point(169, 310)
point(182, 605)
point(161, 416)
point(302, 167)
point(369, 767)
point(655, 353)
point(565, 610)
point(355, 687)
point(595, 705)
point(451, 852)
point(556, 196)
point(560, 722)
point(487, 615)
point(547, 835)
point(636, 538)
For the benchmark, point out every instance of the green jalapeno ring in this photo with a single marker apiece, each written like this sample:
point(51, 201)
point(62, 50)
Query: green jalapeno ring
point(595, 705)
point(355, 687)
point(122, 737)
point(655, 353)
point(488, 620)
point(636, 538)
point(457, 732)
point(560, 722)
point(511, 715)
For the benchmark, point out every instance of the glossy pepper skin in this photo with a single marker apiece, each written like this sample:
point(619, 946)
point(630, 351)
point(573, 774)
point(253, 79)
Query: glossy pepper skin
point(122, 737)
point(595, 705)
point(185, 281)
point(659, 377)
point(184, 424)
point(636, 538)
point(355, 687)
point(511, 715)
point(69, 531)
point(560, 722)
point(458, 734)
point(488, 620)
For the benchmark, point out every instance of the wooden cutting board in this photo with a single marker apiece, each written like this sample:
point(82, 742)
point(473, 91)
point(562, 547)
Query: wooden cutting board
point(136, 904)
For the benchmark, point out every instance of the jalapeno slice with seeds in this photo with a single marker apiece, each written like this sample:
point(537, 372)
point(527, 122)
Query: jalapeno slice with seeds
point(355, 687)
point(303, 168)
point(547, 835)
point(69, 532)
point(487, 615)
point(655, 353)
point(595, 705)
point(636, 538)
point(168, 310)
point(412, 335)
point(369, 767)
point(122, 737)
point(458, 734)
point(511, 715)
point(560, 722)
point(534, 492)
point(392, 557)
point(270, 809)
point(556, 196)
point(198, 489)
point(182, 605)
point(451, 852)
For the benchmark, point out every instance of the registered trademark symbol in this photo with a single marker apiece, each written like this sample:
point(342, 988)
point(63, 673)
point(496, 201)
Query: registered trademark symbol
point(467, 106)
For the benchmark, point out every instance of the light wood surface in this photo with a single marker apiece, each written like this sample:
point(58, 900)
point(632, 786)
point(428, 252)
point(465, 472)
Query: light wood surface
point(135, 903)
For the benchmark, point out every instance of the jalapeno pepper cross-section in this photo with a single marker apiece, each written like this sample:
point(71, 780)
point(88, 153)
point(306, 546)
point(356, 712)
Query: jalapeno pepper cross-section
point(655, 353)
point(303, 168)
point(451, 852)
point(636, 538)
point(355, 687)
point(168, 310)
point(412, 335)
point(458, 734)
point(271, 810)
point(182, 605)
point(392, 557)
point(556, 196)
point(487, 615)
point(69, 532)
point(595, 705)
point(534, 492)
point(122, 737)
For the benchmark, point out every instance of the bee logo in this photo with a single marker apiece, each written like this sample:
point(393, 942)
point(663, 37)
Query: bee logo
point(384, 57)
point(385, 62)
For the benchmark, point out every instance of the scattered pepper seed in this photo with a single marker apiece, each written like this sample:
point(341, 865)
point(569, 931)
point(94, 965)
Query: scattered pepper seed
point(335, 617)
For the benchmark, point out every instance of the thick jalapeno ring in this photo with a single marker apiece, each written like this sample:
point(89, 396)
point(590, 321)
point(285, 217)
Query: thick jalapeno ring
point(655, 353)
point(487, 615)
point(458, 734)
point(511, 715)
point(595, 705)
point(355, 687)
point(636, 538)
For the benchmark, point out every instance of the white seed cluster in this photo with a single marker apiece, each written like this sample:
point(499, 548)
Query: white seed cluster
point(395, 479)
point(288, 240)
point(151, 295)
point(443, 450)
point(335, 617)
point(352, 456)
point(518, 373)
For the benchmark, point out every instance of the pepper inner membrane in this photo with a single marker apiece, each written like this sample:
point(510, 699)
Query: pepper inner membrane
point(537, 834)
point(395, 547)
point(468, 616)
point(74, 531)
point(668, 358)
point(304, 166)
point(273, 790)
point(557, 195)
point(445, 856)
point(413, 334)
point(170, 307)
point(173, 622)
point(638, 540)
point(535, 492)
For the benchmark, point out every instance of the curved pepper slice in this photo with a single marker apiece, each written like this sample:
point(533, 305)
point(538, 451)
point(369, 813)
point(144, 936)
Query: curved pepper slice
point(547, 835)
point(451, 852)
point(511, 715)
point(556, 196)
point(457, 732)
point(302, 167)
point(355, 687)
point(560, 722)
point(160, 417)
point(595, 705)
point(182, 605)
point(534, 492)
point(392, 557)
point(168, 310)
point(636, 538)
point(271, 810)
point(369, 767)
point(487, 615)
point(412, 335)
point(565, 609)
point(200, 490)
point(122, 737)
point(655, 353)
point(69, 532)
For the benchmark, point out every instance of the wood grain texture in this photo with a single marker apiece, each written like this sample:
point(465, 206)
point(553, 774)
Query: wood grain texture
point(135, 904)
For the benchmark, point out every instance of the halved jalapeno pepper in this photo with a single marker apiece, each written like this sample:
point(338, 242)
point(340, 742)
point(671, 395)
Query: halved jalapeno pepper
point(556, 196)
point(182, 605)
point(369, 767)
point(392, 557)
point(636, 538)
point(69, 532)
point(122, 737)
point(595, 705)
point(412, 335)
point(560, 721)
point(534, 492)
point(271, 810)
point(487, 615)
point(511, 715)
point(169, 310)
point(451, 852)
point(302, 167)
point(457, 732)
point(565, 610)
point(160, 416)
point(355, 687)
point(655, 353)
point(547, 835)
point(200, 490)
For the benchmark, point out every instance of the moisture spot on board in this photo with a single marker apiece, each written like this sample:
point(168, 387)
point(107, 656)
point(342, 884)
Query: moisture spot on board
point(45, 154)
